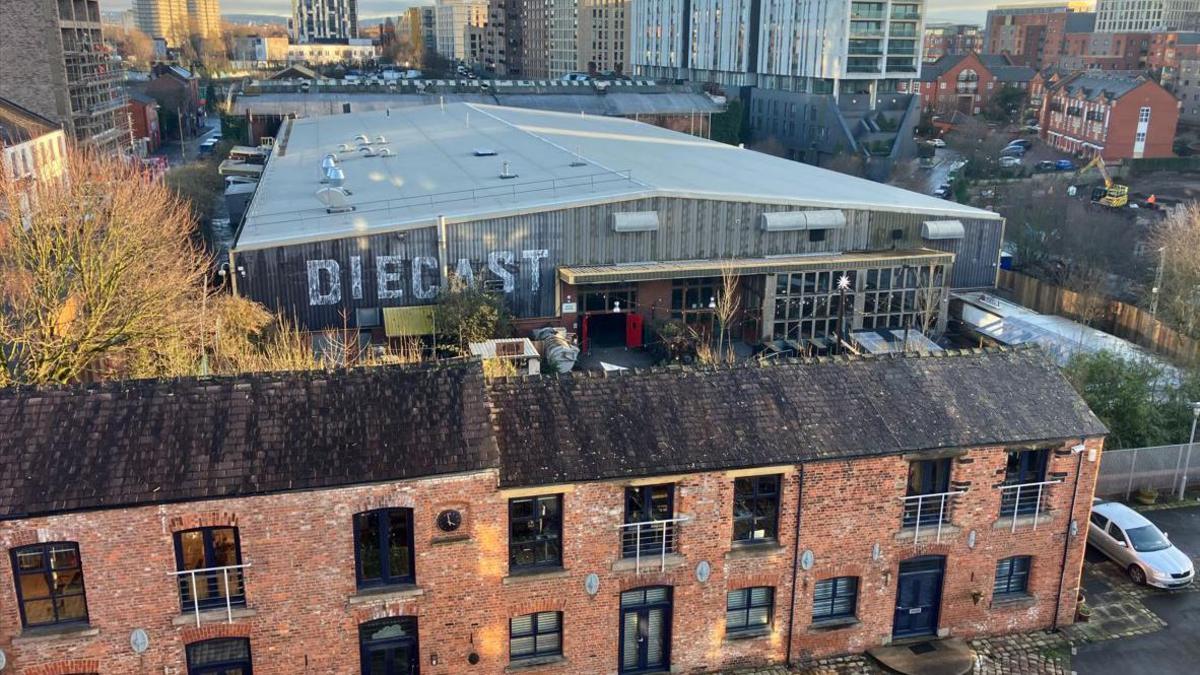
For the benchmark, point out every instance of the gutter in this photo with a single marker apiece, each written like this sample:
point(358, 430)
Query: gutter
point(1062, 578)
point(796, 564)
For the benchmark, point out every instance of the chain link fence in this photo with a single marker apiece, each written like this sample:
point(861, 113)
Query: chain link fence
point(1124, 472)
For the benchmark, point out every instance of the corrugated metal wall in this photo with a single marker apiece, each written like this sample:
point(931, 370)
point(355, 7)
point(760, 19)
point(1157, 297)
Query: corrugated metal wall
point(689, 229)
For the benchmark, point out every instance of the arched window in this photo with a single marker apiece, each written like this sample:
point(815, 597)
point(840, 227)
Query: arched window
point(49, 580)
point(221, 656)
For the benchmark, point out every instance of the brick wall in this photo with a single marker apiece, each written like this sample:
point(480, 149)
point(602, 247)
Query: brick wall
point(303, 610)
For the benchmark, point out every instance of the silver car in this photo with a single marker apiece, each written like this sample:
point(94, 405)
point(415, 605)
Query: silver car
point(1140, 548)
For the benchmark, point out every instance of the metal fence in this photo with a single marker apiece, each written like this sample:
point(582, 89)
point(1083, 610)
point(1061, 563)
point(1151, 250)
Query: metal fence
point(1124, 472)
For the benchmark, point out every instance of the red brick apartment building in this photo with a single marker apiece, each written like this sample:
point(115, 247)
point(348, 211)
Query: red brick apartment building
point(966, 83)
point(1122, 116)
point(395, 520)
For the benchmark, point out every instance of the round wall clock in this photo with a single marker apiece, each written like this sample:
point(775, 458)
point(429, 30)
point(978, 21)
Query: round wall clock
point(449, 520)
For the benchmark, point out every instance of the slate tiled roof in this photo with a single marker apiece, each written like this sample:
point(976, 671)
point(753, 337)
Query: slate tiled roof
point(573, 428)
point(1094, 85)
point(150, 441)
point(999, 65)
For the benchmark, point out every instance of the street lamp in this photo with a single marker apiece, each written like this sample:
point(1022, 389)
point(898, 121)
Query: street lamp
point(1192, 441)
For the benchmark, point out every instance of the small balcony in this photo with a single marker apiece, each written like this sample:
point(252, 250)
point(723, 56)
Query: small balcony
point(1024, 501)
point(903, 14)
point(648, 543)
point(928, 513)
point(211, 588)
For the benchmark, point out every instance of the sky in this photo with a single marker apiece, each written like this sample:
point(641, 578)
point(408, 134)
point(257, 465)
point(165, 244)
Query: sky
point(966, 11)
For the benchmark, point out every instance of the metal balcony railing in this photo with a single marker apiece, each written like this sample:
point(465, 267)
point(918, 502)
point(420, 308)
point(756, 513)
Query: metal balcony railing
point(928, 511)
point(1023, 499)
point(905, 15)
point(650, 540)
point(212, 588)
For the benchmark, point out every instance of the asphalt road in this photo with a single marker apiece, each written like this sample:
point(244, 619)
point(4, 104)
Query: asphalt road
point(170, 146)
point(1175, 649)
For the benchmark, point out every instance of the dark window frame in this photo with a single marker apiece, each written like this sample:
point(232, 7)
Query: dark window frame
point(47, 570)
point(514, 546)
point(754, 495)
point(217, 667)
point(1023, 467)
point(749, 606)
point(650, 541)
point(1014, 579)
point(536, 632)
point(214, 599)
point(386, 578)
point(838, 591)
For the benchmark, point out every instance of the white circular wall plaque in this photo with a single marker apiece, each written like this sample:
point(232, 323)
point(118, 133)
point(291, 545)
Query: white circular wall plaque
point(139, 640)
point(3, 660)
point(876, 552)
point(703, 571)
point(971, 539)
point(591, 584)
point(806, 560)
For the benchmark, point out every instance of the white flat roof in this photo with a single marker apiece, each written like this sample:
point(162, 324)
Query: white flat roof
point(560, 159)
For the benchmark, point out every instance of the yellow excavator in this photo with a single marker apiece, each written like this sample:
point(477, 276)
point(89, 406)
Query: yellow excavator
point(1113, 195)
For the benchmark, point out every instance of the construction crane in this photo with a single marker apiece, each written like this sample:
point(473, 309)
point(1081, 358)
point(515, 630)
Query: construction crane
point(1112, 195)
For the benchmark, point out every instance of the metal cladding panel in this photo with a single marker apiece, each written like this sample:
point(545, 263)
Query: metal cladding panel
point(280, 277)
point(520, 254)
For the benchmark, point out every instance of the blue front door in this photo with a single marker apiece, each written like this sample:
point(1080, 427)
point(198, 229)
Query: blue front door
point(918, 596)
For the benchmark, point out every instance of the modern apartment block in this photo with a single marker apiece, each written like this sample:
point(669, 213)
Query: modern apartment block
point(953, 39)
point(420, 26)
point(424, 519)
point(320, 20)
point(177, 21)
point(1033, 35)
point(1126, 16)
point(604, 32)
point(800, 45)
point(54, 63)
point(562, 32)
point(452, 19)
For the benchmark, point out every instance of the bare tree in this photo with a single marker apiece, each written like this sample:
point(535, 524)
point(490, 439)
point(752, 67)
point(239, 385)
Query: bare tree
point(931, 292)
point(97, 272)
point(728, 302)
point(1178, 238)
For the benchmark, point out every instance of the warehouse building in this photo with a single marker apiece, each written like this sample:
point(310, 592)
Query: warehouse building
point(599, 224)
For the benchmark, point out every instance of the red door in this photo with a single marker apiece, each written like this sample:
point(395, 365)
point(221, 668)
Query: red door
point(633, 330)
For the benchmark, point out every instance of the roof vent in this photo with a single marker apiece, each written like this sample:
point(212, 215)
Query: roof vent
point(384, 152)
point(335, 199)
point(506, 171)
point(367, 151)
point(335, 177)
point(344, 147)
point(362, 139)
point(485, 152)
point(329, 162)
point(381, 139)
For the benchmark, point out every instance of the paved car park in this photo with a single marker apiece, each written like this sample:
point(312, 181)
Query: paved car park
point(1165, 624)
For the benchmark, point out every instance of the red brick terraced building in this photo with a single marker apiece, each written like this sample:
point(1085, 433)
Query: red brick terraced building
point(965, 83)
point(404, 520)
point(1121, 116)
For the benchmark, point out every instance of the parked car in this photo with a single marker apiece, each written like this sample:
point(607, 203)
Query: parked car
point(1013, 151)
point(1045, 165)
point(1008, 162)
point(937, 143)
point(1064, 165)
point(1023, 143)
point(207, 147)
point(942, 191)
point(1140, 548)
